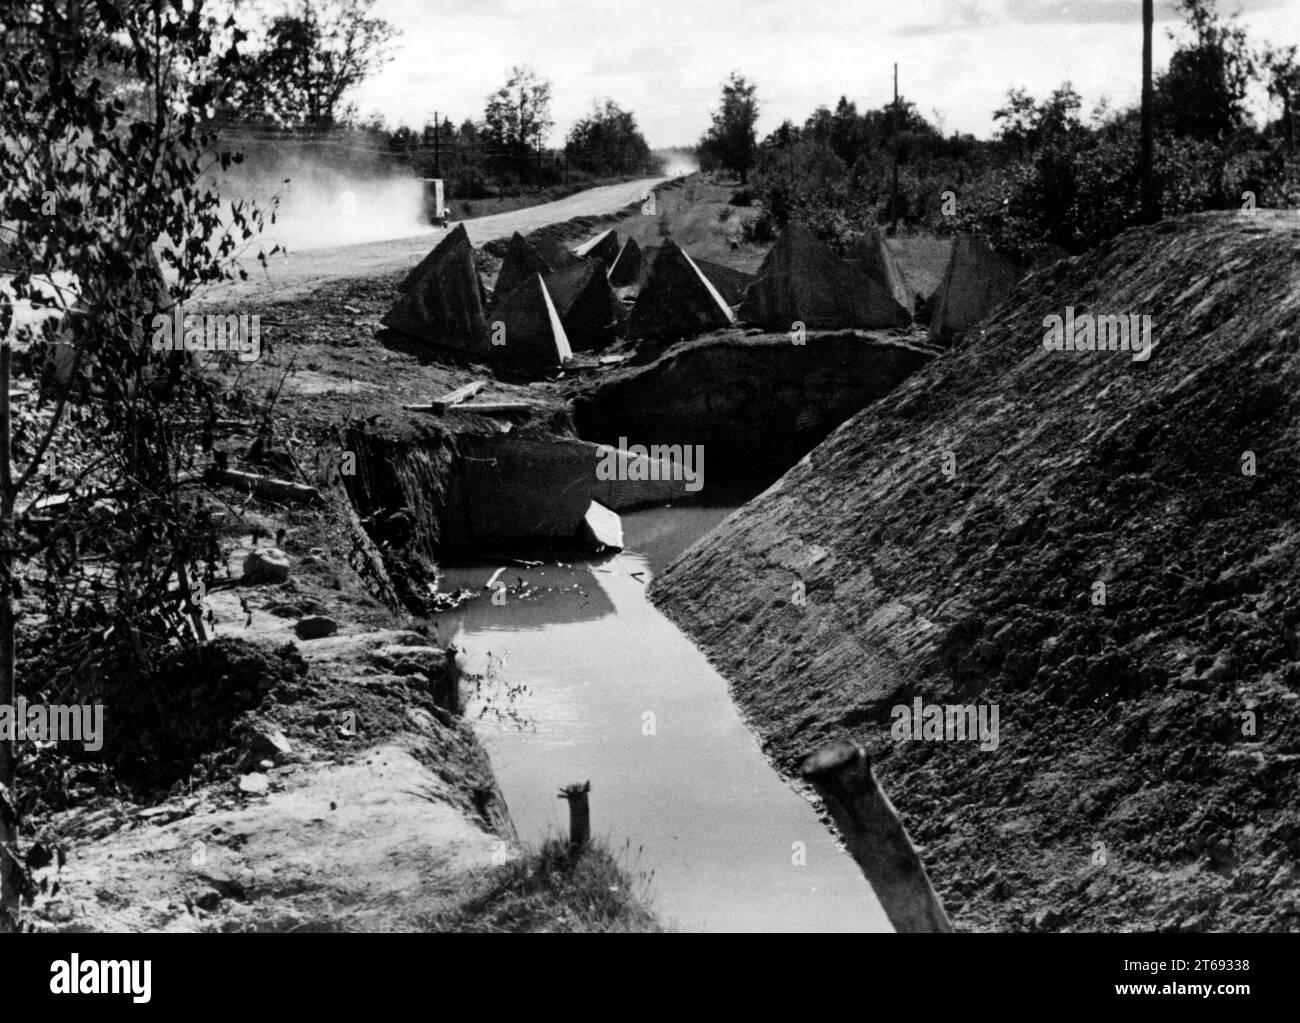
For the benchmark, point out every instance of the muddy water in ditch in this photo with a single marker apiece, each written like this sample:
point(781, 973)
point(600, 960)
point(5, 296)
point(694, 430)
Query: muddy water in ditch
point(722, 832)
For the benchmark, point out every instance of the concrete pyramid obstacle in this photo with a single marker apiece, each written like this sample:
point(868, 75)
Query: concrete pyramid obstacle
point(731, 284)
point(529, 327)
point(604, 247)
point(626, 270)
point(520, 263)
point(976, 279)
point(445, 245)
point(552, 250)
point(589, 310)
point(677, 299)
point(881, 266)
point(803, 280)
point(444, 303)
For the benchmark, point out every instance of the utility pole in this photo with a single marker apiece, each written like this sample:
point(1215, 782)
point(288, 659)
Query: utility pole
point(893, 200)
point(437, 151)
point(1149, 211)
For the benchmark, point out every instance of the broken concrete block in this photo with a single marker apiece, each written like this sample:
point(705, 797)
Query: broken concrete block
point(266, 565)
point(444, 304)
point(974, 282)
point(520, 263)
point(254, 784)
point(604, 248)
point(601, 528)
point(529, 328)
point(626, 271)
point(677, 299)
point(589, 310)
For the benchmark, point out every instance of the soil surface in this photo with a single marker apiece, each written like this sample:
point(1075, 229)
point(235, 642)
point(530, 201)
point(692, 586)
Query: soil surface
point(1105, 549)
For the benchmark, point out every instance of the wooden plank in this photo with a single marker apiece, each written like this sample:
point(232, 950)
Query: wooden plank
point(457, 396)
point(268, 487)
point(489, 408)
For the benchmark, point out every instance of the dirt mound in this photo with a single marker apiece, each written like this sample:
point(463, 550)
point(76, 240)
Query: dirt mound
point(1106, 549)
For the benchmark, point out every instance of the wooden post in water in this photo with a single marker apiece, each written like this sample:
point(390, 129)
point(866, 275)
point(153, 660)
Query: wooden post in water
point(579, 815)
point(446, 682)
point(875, 837)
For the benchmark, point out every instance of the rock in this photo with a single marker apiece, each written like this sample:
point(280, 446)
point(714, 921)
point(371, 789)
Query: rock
point(316, 627)
point(1046, 920)
point(286, 611)
point(266, 565)
point(265, 742)
point(1220, 670)
point(254, 784)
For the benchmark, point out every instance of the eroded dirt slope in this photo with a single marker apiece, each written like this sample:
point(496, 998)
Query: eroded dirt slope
point(1123, 793)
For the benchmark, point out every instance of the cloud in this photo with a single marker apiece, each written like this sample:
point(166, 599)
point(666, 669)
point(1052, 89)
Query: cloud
point(969, 15)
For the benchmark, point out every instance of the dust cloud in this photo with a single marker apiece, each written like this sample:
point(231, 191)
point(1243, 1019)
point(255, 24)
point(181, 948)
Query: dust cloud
point(323, 206)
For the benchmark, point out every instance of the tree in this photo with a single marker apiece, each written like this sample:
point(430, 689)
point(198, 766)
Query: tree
point(517, 119)
point(607, 142)
point(309, 62)
point(1283, 83)
point(1202, 94)
point(94, 186)
point(730, 142)
point(1028, 126)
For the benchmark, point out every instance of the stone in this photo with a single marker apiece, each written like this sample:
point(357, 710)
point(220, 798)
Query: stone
point(254, 784)
point(316, 627)
point(266, 565)
point(292, 611)
point(264, 742)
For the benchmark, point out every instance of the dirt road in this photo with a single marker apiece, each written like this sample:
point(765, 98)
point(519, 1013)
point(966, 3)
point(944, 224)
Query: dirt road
point(300, 272)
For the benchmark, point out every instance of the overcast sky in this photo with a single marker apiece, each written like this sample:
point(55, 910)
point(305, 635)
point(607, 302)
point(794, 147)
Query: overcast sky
point(665, 59)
